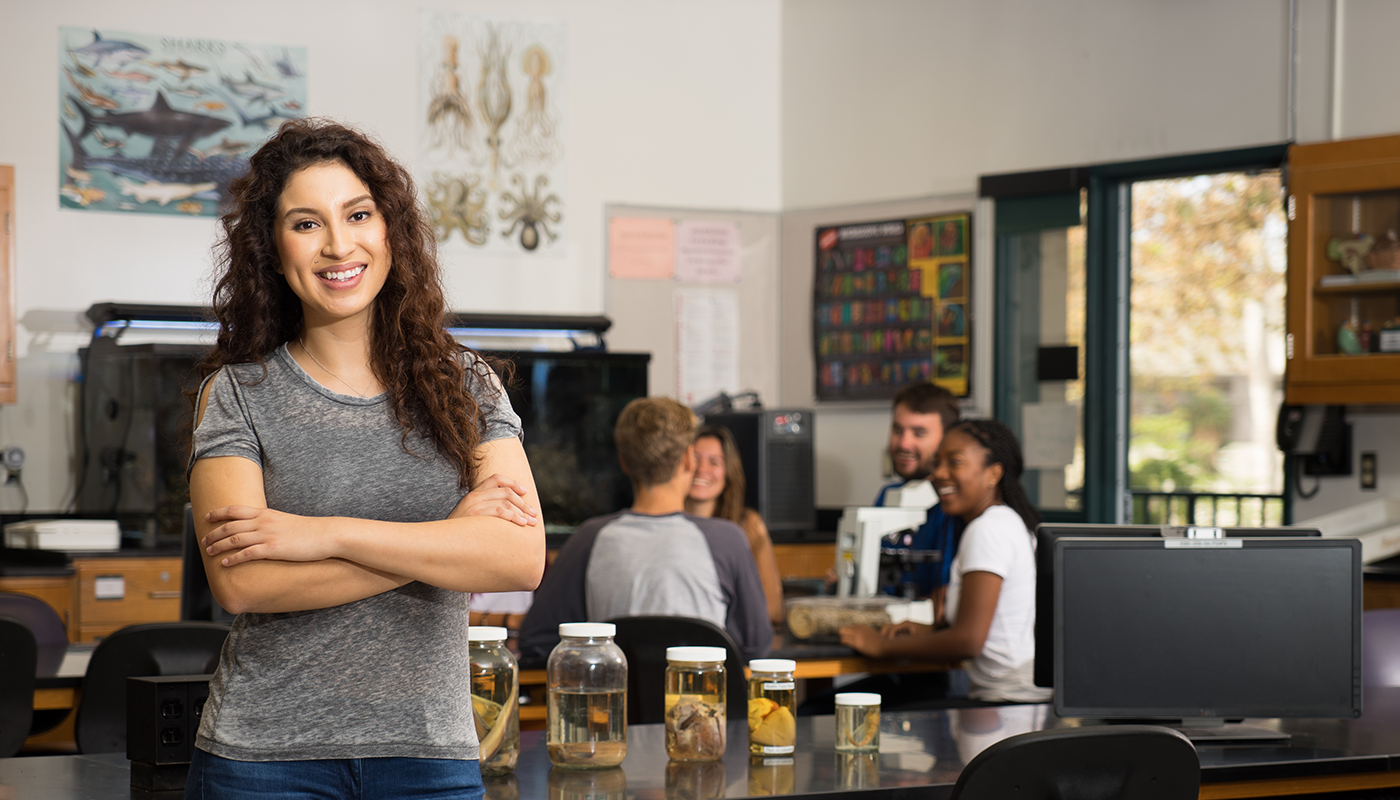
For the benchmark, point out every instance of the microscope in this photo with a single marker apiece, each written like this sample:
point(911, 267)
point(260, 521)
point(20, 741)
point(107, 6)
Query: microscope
point(862, 545)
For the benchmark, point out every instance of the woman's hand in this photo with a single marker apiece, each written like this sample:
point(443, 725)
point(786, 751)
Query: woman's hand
point(498, 496)
point(905, 629)
point(246, 533)
point(864, 640)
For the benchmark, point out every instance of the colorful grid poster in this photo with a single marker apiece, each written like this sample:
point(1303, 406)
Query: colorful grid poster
point(890, 307)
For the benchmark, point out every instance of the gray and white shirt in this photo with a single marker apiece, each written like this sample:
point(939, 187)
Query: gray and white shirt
point(383, 676)
point(627, 563)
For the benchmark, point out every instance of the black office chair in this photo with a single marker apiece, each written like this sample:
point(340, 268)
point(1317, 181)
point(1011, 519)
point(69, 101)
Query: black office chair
point(50, 634)
point(51, 641)
point(158, 648)
point(1107, 762)
point(644, 640)
point(18, 654)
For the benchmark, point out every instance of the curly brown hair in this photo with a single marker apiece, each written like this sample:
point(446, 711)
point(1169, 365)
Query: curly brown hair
point(412, 354)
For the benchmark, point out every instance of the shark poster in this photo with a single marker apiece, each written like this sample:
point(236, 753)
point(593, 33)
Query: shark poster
point(491, 158)
point(156, 124)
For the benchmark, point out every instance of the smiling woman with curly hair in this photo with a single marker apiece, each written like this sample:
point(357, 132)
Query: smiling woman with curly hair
point(355, 474)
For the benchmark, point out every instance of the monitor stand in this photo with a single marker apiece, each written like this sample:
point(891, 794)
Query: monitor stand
point(1218, 730)
point(1209, 730)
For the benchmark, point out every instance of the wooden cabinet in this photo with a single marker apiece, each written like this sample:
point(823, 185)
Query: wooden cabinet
point(105, 593)
point(1340, 193)
point(1380, 592)
point(111, 593)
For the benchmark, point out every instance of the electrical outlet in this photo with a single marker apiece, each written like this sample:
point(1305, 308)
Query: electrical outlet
point(1368, 470)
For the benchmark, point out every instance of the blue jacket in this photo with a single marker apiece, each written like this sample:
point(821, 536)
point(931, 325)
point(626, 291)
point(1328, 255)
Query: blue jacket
point(940, 532)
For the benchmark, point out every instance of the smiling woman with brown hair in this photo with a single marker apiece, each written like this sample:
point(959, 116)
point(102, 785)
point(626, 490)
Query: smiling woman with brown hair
point(718, 491)
point(341, 450)
point(989, 619)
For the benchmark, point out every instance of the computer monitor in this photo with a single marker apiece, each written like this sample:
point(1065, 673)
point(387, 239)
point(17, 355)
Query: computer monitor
point(1208, 631)
point(1046, 534)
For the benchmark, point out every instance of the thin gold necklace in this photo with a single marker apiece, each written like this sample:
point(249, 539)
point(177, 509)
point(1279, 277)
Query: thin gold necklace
point(307, 351)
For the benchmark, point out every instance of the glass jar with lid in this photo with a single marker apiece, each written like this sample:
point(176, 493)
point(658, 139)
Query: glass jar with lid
point(695, 691)
point(495, 699)
point(587, 686)
point(772, 707)
point(857, 722)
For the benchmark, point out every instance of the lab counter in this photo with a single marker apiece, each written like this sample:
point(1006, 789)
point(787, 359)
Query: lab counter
point(921, 754)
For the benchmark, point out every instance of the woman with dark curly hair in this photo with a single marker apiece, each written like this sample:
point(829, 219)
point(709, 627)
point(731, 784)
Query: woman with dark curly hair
point(338, 478)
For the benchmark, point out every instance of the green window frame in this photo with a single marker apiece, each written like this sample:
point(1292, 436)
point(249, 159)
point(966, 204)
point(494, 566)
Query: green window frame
point(1040, 200)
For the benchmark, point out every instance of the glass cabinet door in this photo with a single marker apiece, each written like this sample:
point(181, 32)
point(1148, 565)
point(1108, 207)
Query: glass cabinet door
point(1344, 272)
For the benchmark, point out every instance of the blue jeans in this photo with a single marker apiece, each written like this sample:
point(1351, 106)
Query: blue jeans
point(215, 778)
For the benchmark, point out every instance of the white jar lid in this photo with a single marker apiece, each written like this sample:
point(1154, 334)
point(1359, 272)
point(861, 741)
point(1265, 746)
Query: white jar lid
point(486, 633)
point(696, 655)
point(587, 630)
point(857, 699)
point(772, 665)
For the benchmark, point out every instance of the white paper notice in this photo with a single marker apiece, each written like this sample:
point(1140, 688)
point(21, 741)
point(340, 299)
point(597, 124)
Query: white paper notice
point(1047, 434)
point(707, 252)
point(707, 343)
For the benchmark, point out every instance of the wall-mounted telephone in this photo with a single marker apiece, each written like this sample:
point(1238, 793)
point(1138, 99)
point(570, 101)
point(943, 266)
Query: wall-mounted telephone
point(1318, 436)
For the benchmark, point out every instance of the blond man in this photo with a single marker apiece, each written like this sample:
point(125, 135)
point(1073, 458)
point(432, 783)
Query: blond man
point(653, 558)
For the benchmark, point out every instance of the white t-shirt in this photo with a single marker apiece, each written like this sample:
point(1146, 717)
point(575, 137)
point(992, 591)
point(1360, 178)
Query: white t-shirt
point(998, 542)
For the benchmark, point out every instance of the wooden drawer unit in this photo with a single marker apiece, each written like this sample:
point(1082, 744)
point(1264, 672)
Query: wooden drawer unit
point(112, 593)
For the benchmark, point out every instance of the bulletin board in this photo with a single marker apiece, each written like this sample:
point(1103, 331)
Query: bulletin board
point(673, 270)
point(890, 306)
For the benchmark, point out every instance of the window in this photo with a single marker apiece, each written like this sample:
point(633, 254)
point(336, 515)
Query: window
point(1206, 348)
point(1163, 280)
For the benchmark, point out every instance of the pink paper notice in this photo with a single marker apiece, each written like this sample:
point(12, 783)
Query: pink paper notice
point(707, 252)
point(640, 247)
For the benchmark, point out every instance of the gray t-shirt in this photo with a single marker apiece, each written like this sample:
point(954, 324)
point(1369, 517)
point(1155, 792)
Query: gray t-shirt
point(383, 676)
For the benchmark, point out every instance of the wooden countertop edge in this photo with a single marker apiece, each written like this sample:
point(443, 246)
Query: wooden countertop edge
point(1277, 787)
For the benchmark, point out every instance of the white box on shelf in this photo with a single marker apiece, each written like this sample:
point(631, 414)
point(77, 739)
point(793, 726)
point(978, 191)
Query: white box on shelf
point(1375, 523)
point(68, 535)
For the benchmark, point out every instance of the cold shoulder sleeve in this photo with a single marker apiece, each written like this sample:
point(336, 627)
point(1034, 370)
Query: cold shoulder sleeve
point(226, 428)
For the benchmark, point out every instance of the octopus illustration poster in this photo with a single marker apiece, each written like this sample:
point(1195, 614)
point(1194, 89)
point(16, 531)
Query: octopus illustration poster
point(491, 157)
point(161, 124)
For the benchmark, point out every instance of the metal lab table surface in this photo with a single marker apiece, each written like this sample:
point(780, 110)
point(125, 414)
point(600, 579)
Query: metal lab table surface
point(918, 750)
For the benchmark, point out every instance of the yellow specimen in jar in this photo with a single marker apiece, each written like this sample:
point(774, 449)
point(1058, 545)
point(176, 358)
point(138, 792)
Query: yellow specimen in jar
point(864, 733)
point(486, 714)
point(771, 724)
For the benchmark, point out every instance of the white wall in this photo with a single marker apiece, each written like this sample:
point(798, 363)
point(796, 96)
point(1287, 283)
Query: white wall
point(1374, 430)
point(672, 104)
point(903, 98)
point(907, 98)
